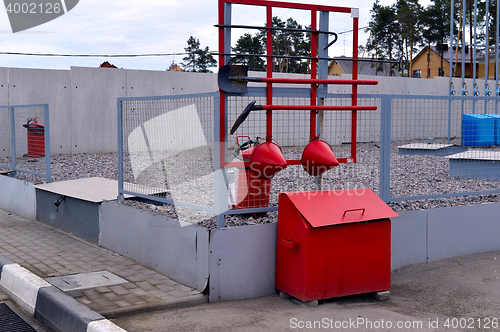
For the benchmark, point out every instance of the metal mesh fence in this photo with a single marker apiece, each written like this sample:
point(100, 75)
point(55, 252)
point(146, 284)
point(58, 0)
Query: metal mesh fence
point(443, 146)
point(411, 147)
point(167, 149)
point(291, 131)
point(24, 140)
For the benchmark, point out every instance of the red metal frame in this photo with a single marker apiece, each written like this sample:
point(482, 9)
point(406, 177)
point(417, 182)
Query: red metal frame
point(269, 80)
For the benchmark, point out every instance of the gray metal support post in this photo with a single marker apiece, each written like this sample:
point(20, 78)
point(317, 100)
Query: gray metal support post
point(451, 87)
point(323, 41)
point(385, 149)
point(487, 55)
point(227, 32)
point(324, 18)
point(48, 170)
point(221, 179)
point(13, 141)
point(119, 112)
point(497, 92)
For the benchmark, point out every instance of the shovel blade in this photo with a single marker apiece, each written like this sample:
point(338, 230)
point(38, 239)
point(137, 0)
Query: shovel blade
point(231, 85)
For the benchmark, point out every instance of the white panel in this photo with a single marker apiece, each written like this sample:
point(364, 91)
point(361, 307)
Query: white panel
point(463, 230)
point(157, 242)
point(409, 238)
point(18, 197)
point(93, 190)
point(247, 261)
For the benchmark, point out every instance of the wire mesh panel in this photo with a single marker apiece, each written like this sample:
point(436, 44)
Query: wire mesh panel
point(291, 131)
point(166, 149)
point(443, 147)
point(25, 139)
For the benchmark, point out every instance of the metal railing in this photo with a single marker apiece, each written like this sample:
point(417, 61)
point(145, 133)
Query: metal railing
point(165, 152)
point(438, 147)
point(410, 148)
point(25, 139)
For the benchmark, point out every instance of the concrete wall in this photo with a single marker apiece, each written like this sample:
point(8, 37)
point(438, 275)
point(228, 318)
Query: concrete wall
point(240, 261)
point(82, 101)
point(157, 242)
point(83, 104)
point(18, 197)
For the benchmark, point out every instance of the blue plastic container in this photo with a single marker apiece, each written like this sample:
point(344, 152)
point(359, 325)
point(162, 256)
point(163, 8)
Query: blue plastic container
point(497, 127)
point(478, 130)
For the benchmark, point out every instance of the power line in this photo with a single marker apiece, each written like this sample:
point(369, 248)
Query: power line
point(92, 55)
point(142, 55)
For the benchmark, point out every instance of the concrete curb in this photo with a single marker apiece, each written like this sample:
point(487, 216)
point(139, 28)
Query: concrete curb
point(48, 304)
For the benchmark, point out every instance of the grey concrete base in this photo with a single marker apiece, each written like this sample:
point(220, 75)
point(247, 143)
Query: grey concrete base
point(240, 261)
point(476, 169)
point(76, 216)
point(478, 164)
point(19, 197)
point(78, 205)
point(182, 253)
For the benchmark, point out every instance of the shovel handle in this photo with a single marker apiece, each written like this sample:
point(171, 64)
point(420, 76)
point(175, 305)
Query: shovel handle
point(352, 210)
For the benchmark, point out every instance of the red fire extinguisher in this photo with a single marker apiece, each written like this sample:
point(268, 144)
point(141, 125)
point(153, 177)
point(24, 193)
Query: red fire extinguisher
point(254, 181)
point(252, 191)
point(36, 138)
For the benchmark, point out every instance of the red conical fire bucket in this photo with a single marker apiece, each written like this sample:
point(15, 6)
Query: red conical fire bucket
point(318, 157)
point(267, 159)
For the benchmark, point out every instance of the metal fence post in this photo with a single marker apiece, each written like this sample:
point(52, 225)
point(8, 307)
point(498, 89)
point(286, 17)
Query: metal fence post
point(385, 149)
point(221, 180)
point(48, 171)
point(13, 141)
point(119, 112)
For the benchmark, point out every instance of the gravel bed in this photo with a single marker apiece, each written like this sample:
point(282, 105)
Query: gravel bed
point(410, 175)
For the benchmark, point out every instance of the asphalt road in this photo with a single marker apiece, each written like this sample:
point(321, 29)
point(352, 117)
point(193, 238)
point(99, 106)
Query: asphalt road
point(457, 294)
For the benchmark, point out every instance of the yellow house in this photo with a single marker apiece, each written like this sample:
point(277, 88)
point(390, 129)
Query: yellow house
point(343, 65)
point(427, 63)
point(481, 66)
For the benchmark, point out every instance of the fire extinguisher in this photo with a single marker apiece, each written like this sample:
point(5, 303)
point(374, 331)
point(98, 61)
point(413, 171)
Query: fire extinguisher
point(252, 191)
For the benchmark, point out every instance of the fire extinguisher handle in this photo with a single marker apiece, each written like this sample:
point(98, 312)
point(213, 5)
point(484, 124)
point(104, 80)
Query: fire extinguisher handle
point(352, 210)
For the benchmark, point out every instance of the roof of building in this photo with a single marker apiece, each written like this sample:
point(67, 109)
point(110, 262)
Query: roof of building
point(457, 56)
point(366, 67)
point(106, 64)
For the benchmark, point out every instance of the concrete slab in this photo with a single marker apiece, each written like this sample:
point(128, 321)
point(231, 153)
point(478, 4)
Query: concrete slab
point(478, 164)
point(476, 155)
point(86, 280)
point(436, 149)
point(95, 190)
point(424, 146)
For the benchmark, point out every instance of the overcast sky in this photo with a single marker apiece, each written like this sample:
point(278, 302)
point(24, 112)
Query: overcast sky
point(149, 26)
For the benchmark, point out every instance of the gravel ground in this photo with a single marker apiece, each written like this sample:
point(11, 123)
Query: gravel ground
point(410, 175)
